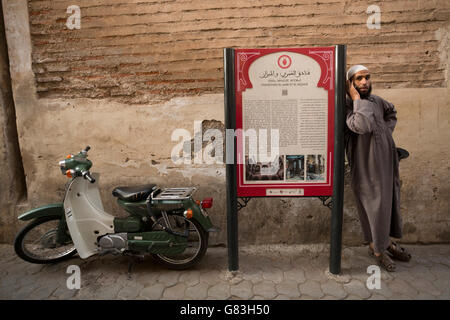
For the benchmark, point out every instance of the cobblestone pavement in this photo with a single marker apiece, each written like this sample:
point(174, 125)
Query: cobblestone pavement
point(266, 272)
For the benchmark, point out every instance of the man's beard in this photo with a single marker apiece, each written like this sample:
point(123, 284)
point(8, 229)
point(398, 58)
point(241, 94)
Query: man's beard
point(366, 94)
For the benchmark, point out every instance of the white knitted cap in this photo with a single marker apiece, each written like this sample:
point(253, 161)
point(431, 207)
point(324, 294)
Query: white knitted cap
point(354, 69)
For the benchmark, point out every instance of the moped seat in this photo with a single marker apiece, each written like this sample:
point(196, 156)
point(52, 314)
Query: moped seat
point(135, 193)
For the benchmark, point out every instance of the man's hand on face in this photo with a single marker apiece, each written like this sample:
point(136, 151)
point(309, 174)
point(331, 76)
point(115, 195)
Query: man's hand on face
point(351, 90)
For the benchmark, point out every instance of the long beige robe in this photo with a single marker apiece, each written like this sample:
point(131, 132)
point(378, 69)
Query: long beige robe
point(373, 160)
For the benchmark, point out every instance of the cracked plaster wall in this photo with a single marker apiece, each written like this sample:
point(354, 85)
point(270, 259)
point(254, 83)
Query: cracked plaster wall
point(131, 144)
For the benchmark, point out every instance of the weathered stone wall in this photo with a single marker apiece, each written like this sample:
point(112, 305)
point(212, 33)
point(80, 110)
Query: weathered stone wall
point(148, 51)
point(12, 179)
point(138, 70)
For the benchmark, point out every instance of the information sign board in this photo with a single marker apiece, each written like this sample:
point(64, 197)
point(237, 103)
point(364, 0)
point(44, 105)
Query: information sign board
point(285, 100)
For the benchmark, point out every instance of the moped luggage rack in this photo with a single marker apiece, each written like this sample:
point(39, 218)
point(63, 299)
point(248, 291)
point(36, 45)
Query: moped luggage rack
point(172, 194)
point(168, 199)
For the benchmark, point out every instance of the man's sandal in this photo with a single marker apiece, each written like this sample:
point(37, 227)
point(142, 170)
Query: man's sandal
point(399, 253)
point(385, 262)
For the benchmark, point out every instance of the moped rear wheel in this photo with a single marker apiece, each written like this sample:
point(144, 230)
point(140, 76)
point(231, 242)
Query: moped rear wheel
point(196, 246)
point(36, 242)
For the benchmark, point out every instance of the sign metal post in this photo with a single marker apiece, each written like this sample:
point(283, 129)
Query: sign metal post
point(338, 185)
point(230, 124)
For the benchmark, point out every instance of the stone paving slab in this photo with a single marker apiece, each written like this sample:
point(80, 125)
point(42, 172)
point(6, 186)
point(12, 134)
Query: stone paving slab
point(282, 272)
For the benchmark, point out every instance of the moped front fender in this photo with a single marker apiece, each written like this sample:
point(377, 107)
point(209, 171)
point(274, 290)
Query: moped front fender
point(54, 209)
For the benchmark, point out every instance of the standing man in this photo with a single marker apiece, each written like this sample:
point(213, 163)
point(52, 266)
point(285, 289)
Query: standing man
point(373, 160)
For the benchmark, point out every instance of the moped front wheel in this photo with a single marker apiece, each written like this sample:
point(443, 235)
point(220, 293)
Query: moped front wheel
point(197, 243)
point(37, 242)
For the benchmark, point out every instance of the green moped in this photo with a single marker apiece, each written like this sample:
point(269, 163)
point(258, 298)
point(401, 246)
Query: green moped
point(165, 223)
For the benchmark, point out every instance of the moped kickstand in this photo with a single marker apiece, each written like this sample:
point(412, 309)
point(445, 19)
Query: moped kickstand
point(132, 260)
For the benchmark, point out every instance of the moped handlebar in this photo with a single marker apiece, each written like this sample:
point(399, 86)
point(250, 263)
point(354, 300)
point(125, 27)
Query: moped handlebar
point(88, 176)
point(86, 149)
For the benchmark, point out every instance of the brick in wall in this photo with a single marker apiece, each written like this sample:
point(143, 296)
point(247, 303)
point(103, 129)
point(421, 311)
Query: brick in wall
point(148, 51)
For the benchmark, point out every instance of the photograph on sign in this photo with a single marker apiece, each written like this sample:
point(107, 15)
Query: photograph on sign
point(285, 111)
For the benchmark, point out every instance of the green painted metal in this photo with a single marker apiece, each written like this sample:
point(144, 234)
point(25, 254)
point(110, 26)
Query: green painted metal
point(50, 210)
point(135, 208)
point(189, 203)
point(139, 209)
point(231, 184)
point(79, 163)
point(337, 212)
point(205, 221)
point(128, 224)
point(157, 242)
point(54, 209)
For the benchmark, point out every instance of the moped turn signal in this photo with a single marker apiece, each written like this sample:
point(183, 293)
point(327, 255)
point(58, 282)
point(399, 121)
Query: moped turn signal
point(69, 173)
point(188, 214)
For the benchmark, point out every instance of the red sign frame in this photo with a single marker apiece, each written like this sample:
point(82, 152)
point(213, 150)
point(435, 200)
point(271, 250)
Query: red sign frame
point(325, 57)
